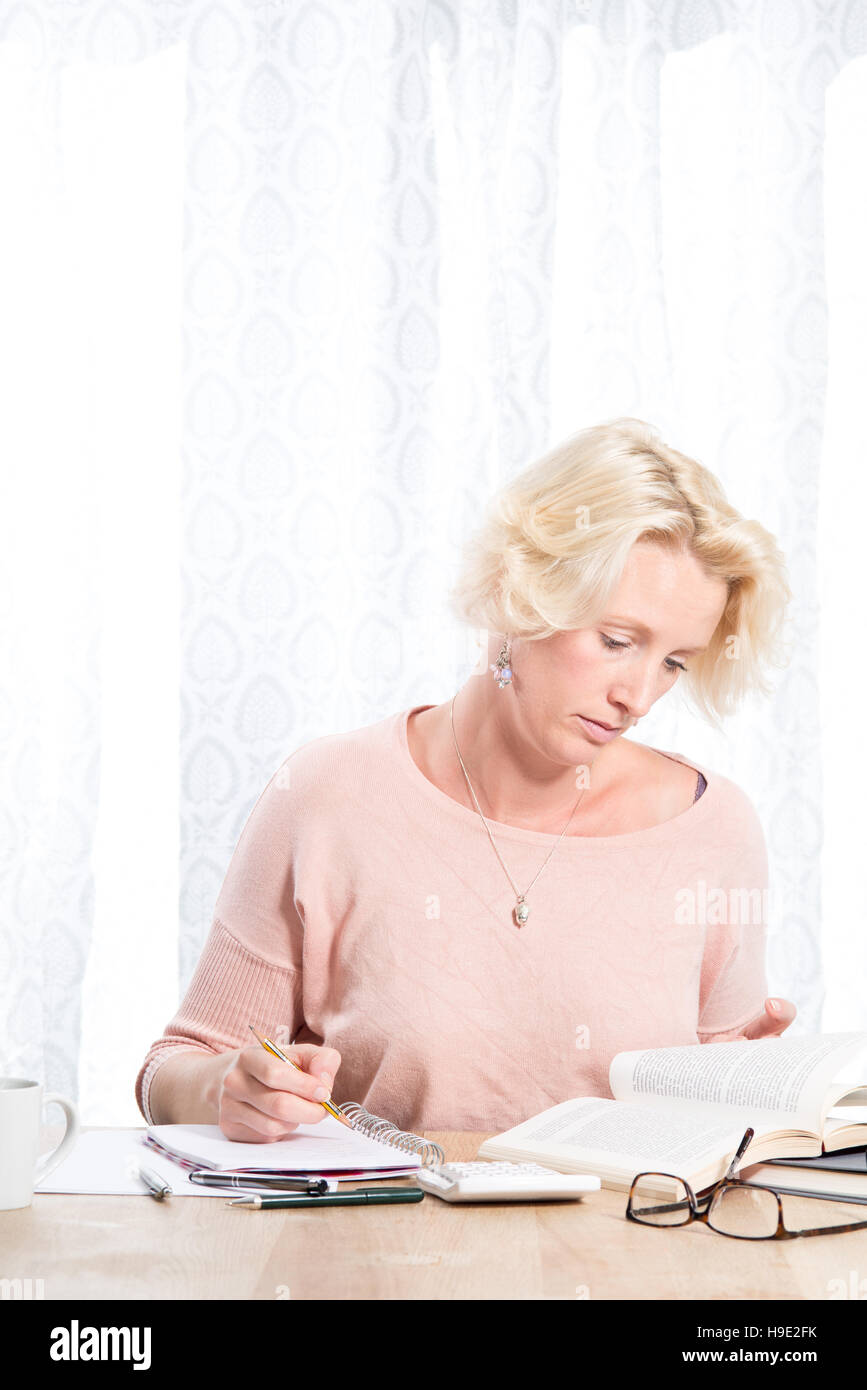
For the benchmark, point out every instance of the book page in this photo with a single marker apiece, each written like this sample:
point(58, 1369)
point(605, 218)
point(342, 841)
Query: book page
point(842, 1117)
point(848, 1114)
point(857, 1097)
point(786, 1079)
point(610, 1136)
point(666, 1138)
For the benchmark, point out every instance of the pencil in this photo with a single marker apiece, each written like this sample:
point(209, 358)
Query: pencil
point(271, 1047)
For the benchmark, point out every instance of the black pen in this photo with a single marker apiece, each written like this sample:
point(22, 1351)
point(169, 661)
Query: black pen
point(270, 1181)
point(359, 1197)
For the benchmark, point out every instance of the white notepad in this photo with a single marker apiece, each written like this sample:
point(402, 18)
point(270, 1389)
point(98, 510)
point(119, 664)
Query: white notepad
point(326, 1148)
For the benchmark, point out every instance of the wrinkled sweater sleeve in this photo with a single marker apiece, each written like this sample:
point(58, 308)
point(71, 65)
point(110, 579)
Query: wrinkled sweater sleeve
point(249, 970)
point(733, 979)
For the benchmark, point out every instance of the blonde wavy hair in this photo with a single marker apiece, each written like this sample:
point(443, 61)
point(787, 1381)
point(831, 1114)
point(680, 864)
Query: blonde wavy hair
point(555, 540)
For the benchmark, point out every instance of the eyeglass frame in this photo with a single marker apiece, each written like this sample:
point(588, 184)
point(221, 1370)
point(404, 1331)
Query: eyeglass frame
point(728, 1180)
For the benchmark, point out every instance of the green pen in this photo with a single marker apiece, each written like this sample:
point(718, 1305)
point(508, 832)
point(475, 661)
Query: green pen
point(360, 1197)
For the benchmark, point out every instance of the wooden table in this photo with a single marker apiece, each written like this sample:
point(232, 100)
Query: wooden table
point(95, 1247)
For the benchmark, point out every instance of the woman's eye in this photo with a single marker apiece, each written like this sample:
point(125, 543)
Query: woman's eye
point(670, 662)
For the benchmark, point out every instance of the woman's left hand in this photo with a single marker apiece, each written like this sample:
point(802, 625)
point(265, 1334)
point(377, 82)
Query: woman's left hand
point(777, 1015)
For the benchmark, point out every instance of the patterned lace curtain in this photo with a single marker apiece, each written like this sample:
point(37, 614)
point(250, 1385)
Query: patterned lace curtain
point(291, 287)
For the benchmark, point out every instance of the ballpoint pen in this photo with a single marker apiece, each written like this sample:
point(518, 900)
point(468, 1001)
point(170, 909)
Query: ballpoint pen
point(360, 1197)
point(271, 1047)
point(156, 1186)
point(247, 1180)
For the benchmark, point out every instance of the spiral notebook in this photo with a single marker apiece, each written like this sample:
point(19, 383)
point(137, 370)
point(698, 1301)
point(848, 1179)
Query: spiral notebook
point(373, 1146)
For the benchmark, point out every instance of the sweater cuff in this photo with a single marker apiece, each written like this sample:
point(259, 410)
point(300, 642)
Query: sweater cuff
point(146, 1077)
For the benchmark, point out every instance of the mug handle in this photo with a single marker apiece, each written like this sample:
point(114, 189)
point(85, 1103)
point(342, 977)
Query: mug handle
point(48, 1162)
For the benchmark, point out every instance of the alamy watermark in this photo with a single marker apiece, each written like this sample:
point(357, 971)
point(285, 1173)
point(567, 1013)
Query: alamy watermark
point(22, 1288)
point(704, 905)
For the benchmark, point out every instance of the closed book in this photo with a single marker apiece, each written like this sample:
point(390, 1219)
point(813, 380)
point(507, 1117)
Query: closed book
point(846, 1161)
point(816, 1181)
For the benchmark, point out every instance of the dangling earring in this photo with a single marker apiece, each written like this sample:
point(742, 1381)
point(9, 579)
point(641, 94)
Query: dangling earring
point(502, 670)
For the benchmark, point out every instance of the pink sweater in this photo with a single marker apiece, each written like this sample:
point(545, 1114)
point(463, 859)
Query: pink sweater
point(365, 909)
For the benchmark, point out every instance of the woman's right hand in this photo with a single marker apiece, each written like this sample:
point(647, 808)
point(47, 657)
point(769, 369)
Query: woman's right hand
point(262, 1099)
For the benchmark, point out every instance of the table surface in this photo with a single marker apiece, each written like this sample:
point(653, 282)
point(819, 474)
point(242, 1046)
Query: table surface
point(94, 1247)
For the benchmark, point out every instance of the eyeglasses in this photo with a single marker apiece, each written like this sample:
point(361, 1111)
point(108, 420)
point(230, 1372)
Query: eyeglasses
point(732, 1207)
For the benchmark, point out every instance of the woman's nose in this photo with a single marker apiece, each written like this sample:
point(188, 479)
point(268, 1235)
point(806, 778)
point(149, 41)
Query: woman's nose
point(636, 695)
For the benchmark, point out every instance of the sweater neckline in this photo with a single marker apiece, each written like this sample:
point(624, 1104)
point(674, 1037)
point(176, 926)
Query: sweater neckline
point(692, 818)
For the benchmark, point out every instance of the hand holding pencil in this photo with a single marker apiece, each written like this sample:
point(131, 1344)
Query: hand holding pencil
point(262, 1099)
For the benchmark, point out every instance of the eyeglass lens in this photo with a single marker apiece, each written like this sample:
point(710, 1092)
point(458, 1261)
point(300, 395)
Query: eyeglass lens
point(747, 1212)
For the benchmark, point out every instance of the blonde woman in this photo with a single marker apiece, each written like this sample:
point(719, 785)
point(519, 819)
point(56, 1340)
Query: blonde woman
point(459, 914)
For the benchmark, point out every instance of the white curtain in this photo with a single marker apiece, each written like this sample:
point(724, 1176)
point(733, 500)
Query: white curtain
point(287, 289)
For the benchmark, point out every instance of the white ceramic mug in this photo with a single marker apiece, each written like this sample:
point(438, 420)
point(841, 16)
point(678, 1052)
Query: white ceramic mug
point(21, 1105)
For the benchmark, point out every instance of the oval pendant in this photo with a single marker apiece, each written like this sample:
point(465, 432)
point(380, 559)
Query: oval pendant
point(522, 912)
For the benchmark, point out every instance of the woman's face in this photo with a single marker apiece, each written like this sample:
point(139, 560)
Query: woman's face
point(665, 609)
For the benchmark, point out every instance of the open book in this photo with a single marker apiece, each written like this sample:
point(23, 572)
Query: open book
point(683, 1110)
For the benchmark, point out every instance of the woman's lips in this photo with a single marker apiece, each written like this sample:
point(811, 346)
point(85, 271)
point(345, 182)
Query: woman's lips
point(598, 732)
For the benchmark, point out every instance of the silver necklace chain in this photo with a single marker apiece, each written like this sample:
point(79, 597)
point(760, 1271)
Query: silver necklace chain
point(521, 910)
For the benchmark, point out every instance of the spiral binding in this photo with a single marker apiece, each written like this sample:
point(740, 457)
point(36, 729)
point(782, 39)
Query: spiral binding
point(375, 1127)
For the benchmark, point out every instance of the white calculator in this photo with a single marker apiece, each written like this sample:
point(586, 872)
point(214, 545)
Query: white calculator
point(504, 1182)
